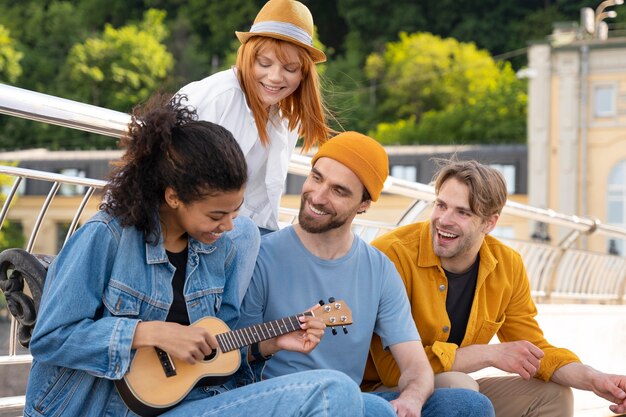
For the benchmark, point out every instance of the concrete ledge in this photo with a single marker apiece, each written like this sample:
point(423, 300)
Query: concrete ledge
point(596, 333)
point(12, 406)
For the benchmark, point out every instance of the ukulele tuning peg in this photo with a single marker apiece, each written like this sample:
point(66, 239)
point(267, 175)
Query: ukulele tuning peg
point(331, 300)
point(345, 331)
point(334, 331)
point(321, 302)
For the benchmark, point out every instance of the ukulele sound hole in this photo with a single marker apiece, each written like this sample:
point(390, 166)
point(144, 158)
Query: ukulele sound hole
point(211, 355)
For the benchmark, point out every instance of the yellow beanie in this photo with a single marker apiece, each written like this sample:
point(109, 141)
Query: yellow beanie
point(363, 155)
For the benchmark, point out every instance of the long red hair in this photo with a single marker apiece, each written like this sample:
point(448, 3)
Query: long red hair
point(303, 108)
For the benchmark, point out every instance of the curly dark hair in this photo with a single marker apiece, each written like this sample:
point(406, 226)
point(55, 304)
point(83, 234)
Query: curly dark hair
point(168, 147)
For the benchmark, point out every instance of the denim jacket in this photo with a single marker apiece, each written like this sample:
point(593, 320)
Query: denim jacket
point(102, 284)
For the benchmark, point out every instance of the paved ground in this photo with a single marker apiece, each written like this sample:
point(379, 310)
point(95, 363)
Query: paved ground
point(596, 333)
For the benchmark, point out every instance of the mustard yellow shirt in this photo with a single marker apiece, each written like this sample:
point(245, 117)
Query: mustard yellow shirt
point(502, 304)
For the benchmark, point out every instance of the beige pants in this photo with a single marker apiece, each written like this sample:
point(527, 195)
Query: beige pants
point(512, 396)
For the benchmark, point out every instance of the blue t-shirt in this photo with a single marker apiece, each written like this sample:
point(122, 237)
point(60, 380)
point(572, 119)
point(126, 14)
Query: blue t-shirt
point(288, 280)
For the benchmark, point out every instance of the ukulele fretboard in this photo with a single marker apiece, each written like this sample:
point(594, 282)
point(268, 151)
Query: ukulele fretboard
point(248, 335)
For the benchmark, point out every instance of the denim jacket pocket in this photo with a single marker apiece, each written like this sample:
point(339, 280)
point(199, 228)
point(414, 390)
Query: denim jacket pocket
point(121, 300)
point(217, 300)
point(205, 302)
point(58, 393)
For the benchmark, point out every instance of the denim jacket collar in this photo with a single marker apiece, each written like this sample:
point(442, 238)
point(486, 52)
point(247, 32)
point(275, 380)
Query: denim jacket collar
point(155, 254)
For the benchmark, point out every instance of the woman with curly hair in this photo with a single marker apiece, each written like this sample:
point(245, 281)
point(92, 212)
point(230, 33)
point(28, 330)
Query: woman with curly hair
point(154, 260)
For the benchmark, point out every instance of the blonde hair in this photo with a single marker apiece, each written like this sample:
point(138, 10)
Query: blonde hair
point(487, 187)
point(303, 108)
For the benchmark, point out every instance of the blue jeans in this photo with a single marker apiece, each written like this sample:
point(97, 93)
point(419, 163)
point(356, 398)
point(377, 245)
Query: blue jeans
point(247, 242)
point(319, 393)
point(448, 402)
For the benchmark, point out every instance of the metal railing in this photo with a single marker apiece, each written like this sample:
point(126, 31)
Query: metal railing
point(556, 272)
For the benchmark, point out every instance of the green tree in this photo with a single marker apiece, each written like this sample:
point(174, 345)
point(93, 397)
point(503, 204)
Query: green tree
point(121, 67)
point(498, 116)
point(202, 41)
point(347, 93)
point(372, 23)
point(44, 32)
point(498, 26)
point(11, 235)
point(10, 68)
point(434, 90)
point(204, 34)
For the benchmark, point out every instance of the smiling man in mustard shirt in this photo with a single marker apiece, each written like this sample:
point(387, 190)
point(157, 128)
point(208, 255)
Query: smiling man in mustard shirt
point(465, 287)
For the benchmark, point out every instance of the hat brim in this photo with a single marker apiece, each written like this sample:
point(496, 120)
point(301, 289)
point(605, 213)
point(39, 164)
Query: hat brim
point(317, 55)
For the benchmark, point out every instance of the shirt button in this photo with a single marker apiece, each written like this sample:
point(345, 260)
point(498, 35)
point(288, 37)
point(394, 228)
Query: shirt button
point(442, 287)
point(445, 329)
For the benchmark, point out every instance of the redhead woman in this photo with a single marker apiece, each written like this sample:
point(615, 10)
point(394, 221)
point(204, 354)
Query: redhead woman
point(267, 101)
point(154, 260)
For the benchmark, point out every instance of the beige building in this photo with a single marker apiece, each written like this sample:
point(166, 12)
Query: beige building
point(577, 132)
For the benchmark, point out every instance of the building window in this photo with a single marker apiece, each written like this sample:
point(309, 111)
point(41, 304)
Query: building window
point(72, 189)
point(604, 101)
point(404, 172)
point(509, 176)
point(616, 204)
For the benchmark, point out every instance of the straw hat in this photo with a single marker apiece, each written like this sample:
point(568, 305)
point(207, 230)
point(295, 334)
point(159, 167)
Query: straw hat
point(287, 20)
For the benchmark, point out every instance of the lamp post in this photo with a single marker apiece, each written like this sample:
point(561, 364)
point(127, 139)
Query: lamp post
point(608, 3)
point(600, 28)
point(603, 31)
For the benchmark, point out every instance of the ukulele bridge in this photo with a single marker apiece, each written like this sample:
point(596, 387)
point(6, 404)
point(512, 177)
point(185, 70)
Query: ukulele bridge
point(166, 362)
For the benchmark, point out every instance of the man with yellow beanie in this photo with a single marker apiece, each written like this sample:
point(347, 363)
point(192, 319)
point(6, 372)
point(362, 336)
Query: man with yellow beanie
point(320, 257)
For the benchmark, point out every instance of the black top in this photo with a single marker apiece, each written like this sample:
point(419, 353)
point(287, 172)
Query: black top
point(461, 288)
point(178, 310)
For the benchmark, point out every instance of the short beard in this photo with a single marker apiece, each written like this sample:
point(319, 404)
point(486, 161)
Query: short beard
point(318, 228)
point(311, 227)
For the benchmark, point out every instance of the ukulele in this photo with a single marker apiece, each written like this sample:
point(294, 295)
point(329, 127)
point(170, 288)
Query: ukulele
point(156, 381)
